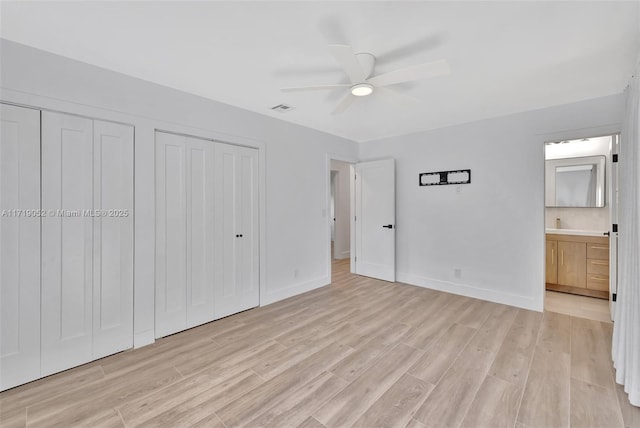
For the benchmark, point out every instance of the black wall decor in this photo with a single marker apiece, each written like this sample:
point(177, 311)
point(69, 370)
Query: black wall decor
point(458, 176)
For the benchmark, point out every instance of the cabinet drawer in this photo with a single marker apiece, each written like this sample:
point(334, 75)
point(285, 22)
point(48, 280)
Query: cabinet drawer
point(598, 251)
point(598, 282)
point(598, 267)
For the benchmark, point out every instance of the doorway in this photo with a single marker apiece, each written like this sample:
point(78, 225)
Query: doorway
point(340, 207)
point(580, 232)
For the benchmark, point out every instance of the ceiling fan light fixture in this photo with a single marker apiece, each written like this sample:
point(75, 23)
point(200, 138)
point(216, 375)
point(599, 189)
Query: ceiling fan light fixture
point(361, 89)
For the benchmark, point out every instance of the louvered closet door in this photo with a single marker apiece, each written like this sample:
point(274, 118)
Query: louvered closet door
point(237, 233)
point(67, 241)
point(184, 232)
point(113, 238)
point(19, 246)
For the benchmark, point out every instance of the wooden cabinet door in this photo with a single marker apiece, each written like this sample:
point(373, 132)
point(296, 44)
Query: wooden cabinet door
point(572, 264)
point(552, 262)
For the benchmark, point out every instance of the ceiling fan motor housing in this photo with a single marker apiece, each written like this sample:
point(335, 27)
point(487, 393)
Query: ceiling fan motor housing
point(367, 62)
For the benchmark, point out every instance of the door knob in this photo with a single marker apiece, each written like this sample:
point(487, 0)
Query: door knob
point(388, 226)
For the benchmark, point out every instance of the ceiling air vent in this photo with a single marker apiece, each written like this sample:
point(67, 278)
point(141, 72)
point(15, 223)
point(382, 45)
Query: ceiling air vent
point(282, 108)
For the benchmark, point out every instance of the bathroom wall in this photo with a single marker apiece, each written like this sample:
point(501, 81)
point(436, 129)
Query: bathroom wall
point(582, 218)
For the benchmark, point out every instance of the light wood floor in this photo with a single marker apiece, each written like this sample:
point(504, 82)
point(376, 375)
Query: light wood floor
point(577, 306)
point(360, 352)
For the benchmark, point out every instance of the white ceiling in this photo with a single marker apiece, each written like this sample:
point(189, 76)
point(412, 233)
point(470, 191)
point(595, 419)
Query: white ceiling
point(506, 57)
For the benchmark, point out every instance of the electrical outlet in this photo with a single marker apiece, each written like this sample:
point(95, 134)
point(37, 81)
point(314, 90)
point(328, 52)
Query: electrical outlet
point(457, 273)
point(458, 189)
point(296, 272)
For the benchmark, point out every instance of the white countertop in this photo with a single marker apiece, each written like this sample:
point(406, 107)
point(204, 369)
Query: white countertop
point(576, 232)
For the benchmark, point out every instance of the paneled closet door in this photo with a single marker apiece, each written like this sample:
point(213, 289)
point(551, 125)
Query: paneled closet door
point(112, 238)
point(200, 194)
point(237, 231)
point(171, 254)
point(67, 241)
point(184, 232)
point(19, 246)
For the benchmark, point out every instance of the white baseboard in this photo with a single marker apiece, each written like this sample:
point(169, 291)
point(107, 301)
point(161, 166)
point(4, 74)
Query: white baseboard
point(277, 295)
point(143, 339)
point(470, 291)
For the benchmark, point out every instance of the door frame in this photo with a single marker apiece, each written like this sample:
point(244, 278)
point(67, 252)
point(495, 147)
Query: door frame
point(574, 134)
point(351, 160)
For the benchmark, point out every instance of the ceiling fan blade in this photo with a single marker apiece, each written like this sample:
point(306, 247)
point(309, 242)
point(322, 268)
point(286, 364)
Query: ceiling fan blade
point(350, 64)
point(344, 103)
point(398, 96)
point(416, 72)
point(316, 87)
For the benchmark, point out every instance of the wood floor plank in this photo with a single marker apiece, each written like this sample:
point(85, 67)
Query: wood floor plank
point(397, 405)
point(200, 406)
point(590, 354)
point(523, 334)
point(355, 364)
point(511, 366)
point(311, 422)
point(276, 390)
point(70, 408)
point(13, 417)
point(546, 397)
point(214, 388)
point(439, 357)
point(495, 405)
point(43, 389)
point(449, 401)
point(594, 406)
point(350, 403)
point(555, 332)
point(492, 333)
point(296, 408)
point(630, 414)
point(415, 424)
point(476, 314)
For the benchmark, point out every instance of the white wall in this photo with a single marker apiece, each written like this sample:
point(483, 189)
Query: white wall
point(342, 240)
point(582, 218)
point(295, 232)
point(493, 229)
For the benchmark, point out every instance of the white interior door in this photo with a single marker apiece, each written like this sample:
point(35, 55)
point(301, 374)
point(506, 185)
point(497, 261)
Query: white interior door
point(67, 241)
point(375, 218)
point(112, 238)
point(171, 254)
point(200, 194)
point(237, 231)
point(185, 243)
point(19, 246)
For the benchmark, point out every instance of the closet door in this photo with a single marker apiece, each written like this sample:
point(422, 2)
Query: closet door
point(112, 238)
point(184, 232)
point(237, 233)
point(67, 241)
point(200, 231)
point(171, 254)
point(19, 246)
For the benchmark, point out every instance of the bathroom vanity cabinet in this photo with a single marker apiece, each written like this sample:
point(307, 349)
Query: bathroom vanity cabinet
point(578, 264)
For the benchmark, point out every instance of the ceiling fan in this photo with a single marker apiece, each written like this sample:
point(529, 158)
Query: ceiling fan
point(359, 68)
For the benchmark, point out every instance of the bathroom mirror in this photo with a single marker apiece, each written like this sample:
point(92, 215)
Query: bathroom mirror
point(575, 182)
